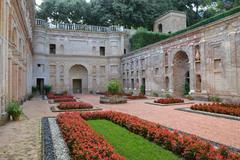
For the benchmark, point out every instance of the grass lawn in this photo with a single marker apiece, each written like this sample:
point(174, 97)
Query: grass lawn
point(130, 145)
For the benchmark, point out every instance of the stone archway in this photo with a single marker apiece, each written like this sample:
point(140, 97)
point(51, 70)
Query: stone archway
point(181, 80)
point(79, 79)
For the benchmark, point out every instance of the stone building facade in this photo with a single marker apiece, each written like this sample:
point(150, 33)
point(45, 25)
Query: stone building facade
point(170, 22)
point(82, 59)
point(77, 58)
point(205, 59)
point(16, 26)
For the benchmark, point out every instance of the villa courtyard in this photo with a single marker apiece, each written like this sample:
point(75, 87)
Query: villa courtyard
point(22, 139)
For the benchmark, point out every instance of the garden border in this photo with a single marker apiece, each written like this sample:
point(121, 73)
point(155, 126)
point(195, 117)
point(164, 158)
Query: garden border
point(52, 141)
point(218, 115)
point(56, 109)
point(170, 104)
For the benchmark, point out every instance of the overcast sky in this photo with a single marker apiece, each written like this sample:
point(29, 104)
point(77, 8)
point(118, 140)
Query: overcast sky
point(40, 1)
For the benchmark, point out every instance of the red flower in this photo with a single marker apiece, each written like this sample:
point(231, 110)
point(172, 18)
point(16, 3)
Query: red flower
point(169, 100)
point(74, 105)
point(230, 109)
point(83, 142)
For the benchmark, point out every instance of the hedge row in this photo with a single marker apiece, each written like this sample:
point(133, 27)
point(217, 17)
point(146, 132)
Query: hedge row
point(143, 38)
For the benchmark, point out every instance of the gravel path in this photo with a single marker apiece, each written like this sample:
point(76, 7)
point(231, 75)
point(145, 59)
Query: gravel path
point(21, 140)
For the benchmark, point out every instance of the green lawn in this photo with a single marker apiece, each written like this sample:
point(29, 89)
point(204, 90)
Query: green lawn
point(130, 145)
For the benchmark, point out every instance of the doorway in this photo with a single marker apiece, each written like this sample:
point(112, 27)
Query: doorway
point(77, 85)
point(40, 85)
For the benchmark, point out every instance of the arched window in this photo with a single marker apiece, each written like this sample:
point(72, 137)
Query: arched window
point(160, 27)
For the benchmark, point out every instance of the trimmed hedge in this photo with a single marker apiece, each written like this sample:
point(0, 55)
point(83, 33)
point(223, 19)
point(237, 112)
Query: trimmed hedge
point(143, 38)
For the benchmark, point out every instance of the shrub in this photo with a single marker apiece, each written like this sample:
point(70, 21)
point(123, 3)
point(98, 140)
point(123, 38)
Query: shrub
point(82, 141)
point(113, 87)
point(168, 100)
point(230, 109)
point(214, 98)
point(155, 94)
point(34, 89)
point(47, 88)
point(142, 89)
point(14, 109)
point(74, 105)
point(188, 146)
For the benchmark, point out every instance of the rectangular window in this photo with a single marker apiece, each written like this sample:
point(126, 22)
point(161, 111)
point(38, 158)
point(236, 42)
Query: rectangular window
point(52, 48)
point(102, 51)
point(132, 84)
point(125, 51)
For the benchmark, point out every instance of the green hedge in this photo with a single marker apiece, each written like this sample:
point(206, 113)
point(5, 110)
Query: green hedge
point(143, 38)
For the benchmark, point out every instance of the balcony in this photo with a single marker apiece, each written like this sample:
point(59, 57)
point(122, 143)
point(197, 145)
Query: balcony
point(78, 27)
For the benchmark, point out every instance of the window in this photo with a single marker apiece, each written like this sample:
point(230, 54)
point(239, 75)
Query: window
point(160, 27)
point(125, 51)
point(102, 51)
point(52, 48)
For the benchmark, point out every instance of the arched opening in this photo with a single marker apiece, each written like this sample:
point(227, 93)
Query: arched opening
point(79, 79)
point(198, 83)
point(160, 27)
point(181, 80)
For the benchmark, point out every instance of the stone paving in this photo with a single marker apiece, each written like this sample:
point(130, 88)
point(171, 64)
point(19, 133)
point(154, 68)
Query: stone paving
point(216, 129)
point(21, 140)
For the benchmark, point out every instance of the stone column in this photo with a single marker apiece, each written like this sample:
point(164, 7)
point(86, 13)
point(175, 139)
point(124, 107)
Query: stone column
point(202, 66)
point(191, 69)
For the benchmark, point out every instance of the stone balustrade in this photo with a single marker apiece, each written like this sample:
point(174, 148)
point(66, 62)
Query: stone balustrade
point(80, 27)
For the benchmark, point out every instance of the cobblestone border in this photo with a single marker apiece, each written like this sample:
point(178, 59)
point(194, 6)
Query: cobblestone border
point(172, 104)
point(47, 144)
point(53, 145)
point(60, 148)
point(56, 109)
point(209, 113)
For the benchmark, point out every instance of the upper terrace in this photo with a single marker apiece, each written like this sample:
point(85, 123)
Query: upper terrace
point(78, 27)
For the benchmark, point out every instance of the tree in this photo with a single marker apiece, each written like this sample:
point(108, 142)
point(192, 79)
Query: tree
point(67, 11)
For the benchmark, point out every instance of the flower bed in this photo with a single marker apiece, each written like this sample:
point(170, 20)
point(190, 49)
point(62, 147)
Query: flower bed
point(187, 146)
point(60, 100)
point(74, 105)
point(83, 142)
point(140, 96)
point(190, 147)
point(229, 109)
point(59, 96)
point(169, 100)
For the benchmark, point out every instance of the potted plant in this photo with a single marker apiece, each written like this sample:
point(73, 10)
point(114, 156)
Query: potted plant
point(47, 88)
point(14, 110)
